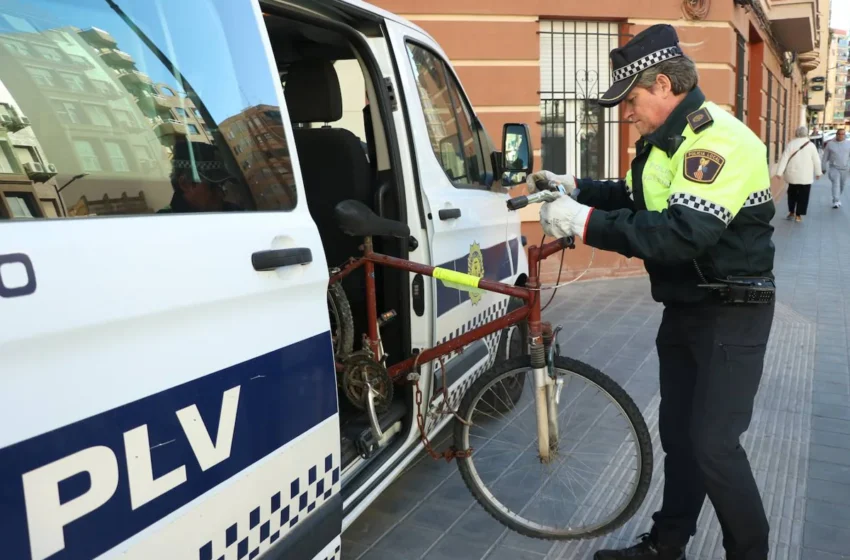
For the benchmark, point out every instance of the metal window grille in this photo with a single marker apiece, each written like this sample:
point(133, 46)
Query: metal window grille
point(578, 135)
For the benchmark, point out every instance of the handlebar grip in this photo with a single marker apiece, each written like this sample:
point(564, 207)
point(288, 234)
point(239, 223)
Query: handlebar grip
point(517, 202)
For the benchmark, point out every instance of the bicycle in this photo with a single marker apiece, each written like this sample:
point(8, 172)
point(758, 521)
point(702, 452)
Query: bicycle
point(368, 384)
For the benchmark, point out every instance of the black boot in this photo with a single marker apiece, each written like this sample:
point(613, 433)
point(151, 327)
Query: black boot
point(646, 549)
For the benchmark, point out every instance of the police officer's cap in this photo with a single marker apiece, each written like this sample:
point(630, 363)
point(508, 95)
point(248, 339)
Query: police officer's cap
point(646, 49)
point(204, 157)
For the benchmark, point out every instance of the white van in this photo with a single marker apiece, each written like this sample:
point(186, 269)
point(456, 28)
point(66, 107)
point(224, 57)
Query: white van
point(163, 395)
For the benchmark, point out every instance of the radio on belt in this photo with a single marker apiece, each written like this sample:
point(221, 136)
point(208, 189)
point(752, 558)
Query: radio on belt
point(744, 289)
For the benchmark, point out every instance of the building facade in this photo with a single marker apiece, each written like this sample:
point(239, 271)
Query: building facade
point(544, 62)
point(829, 83)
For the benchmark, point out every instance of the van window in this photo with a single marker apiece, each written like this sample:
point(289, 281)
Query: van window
point(97, 123)
point(449, 119)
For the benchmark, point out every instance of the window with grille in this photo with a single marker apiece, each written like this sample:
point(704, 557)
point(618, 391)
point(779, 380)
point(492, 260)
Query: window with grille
point(578, 135)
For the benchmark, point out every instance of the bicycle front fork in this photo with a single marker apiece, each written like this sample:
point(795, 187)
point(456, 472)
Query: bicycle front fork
point(547, 393)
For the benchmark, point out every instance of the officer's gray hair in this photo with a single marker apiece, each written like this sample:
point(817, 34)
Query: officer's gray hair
point(681, 70)
point(802, 132)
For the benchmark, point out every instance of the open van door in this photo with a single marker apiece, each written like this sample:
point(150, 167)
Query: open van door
point(168, 385)
point(470, 229)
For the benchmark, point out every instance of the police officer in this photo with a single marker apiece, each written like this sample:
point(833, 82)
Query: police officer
point(199, 179)
point(696, 208)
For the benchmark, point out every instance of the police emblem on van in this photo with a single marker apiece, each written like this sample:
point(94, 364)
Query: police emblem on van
point(703, 166)
point(475, 266)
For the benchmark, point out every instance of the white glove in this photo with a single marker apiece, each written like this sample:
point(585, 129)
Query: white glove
point(564, 217)
point(568, 181)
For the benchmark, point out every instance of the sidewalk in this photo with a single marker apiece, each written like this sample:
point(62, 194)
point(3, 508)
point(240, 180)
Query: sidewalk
point(798, 441)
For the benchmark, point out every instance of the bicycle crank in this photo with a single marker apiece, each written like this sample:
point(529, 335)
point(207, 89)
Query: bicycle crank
point(367, 385)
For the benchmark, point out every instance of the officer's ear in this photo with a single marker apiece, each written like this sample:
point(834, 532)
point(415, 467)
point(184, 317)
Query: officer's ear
point(663, 86)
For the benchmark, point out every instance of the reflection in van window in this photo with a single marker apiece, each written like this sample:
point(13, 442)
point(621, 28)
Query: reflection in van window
point(449, 120)
point(97, 124)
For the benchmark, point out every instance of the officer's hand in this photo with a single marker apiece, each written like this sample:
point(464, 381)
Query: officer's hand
point(539, 181)
point(564, 217)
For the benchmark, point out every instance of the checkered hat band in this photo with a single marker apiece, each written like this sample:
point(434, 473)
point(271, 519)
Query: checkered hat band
point(199, 165)
point(701, 205)
point(758, 197)
point(649, 60)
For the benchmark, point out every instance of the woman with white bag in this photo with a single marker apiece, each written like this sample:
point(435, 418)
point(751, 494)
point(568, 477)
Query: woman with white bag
point(799, 167)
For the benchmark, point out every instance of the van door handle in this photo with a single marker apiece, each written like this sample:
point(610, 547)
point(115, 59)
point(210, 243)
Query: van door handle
point(276, 258)
point(449, 213)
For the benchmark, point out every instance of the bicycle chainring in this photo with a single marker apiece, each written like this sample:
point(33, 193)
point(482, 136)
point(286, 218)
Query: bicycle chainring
point(359, 368)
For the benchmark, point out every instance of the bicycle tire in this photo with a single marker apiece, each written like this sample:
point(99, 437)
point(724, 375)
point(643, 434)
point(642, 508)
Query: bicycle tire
point(605, 383)
point(345, 321)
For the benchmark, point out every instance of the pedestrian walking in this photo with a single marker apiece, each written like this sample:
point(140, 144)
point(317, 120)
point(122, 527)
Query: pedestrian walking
point(696, 207)
point(836, 158)
point(799, 166)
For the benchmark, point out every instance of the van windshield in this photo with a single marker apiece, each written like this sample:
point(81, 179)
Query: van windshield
point(94, 117)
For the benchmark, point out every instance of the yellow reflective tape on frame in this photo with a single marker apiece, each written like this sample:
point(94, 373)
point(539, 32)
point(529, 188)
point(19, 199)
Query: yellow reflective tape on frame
point(454, 277)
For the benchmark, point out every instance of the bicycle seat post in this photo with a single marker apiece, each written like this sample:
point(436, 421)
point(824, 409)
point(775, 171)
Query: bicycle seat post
point(371, 299)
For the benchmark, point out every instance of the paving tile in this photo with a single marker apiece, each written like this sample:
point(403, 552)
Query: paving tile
point(831, 439)
point(452, 547)
point(831, 425)
point(826, 491)
point(352, 550)
point(826, 513)
point(831, 411)
point(831, 367)
point(413, 539)
point(505, 553)
point(833, 472)
point(827, 538)
point(812, 554)
point(832, 387)
point(829, 454)
point(830, 398)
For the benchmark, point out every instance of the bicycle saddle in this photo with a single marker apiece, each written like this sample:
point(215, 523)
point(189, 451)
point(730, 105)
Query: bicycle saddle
point(358, 220)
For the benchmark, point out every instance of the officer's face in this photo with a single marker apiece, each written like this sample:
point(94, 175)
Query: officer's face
point(840, 135)
point(648, 108)
point(203, 197)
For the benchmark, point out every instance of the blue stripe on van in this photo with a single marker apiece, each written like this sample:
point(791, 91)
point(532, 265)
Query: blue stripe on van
point(497, 267)
point(282, 395)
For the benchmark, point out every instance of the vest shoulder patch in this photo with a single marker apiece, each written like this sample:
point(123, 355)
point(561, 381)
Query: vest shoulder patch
point(702, 166)
point(700, 119)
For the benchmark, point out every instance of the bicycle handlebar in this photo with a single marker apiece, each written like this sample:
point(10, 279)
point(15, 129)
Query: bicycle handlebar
point(546, 192)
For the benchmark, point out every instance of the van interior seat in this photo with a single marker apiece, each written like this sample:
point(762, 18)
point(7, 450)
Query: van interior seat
point(334, 167)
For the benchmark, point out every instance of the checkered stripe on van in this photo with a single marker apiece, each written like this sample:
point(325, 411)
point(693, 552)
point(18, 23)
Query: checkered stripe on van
point(276, 516)
point(488, 314)
point(457, 391)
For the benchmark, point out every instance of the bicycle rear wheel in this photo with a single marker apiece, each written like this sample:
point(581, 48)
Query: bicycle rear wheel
point(608, 442)
point(342, 322)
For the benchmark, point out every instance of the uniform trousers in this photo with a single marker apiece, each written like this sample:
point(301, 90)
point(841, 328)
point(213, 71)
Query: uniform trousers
point(711, 359)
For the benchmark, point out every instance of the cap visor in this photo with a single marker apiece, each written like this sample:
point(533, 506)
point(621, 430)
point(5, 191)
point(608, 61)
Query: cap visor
point(618, 92)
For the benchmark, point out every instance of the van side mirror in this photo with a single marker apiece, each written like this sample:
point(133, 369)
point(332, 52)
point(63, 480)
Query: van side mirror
point(517, 154)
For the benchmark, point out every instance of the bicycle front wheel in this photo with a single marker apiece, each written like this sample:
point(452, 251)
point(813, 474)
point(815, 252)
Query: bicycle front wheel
point(600, 463)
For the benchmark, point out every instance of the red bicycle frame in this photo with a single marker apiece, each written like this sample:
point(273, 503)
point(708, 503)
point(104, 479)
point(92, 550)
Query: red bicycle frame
point(529, 293)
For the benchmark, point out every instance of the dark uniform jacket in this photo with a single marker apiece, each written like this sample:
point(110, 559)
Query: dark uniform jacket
point(695, 206)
